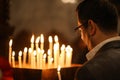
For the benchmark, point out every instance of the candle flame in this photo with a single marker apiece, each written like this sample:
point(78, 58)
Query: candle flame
point(50, 39)
point(44, 56)
point(62, 47)
point(30, 50)
point(48, 51)
point(10, 42)
point(58, 69)
point(37, 40)
point(20, 53)
point(32, 39)
point(42, 38)
point(25, 49)
point(13, 53)
point(35, 53)
point(56, 38)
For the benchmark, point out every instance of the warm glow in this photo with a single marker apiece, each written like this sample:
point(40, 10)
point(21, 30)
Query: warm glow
point(68, 1)
point(13, 53)
point(32, 39)
point(58, 69)
point(56, 38)
point(20, 53)
point(50, 39)
point(10, 42)
point(37, 40)
point(25, 49)
point(42, 38)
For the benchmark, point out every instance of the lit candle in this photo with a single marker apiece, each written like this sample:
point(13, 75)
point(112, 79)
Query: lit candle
point(68, 55)
point(24, 56)
point(13, 58)
point(62, 55)
point(38, 57)
point(34, 59)
point(20, 59)
point(32, 42)
point(41, 57)
point(58, 72)
point(10, 50)
point(50, 44)
point(42, 42)
point(29, 55)
point(56, 47)
point(37, 41)
point(56, 55)
point(49, 57)
point(44, 60)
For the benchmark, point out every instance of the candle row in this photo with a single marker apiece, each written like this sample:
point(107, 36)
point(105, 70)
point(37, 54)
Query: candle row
point(37, 57)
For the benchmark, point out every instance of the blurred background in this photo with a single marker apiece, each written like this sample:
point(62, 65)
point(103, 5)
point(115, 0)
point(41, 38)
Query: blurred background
point(44, 16)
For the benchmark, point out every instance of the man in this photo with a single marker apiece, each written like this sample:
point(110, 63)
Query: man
point(98, 21)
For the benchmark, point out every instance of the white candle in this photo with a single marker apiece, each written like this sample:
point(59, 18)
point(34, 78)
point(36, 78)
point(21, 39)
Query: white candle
point(44, 60)
point(68, 55)
point(38, 57)
point(50, 44)
point(55, 55)
point(62, 55)
point(41, 57)
point(58, 72)
point(42, 42)
point(20, 59)
point(49, 57)
point(32, 42)
point(13, 58)
point(10, 50)
point(29, 55)
point(24, 56)
point(34, 59)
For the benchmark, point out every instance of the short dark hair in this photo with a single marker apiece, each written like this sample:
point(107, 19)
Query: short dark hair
point(102, 12)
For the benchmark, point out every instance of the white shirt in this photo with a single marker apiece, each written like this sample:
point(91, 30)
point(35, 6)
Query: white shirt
point(92, 53)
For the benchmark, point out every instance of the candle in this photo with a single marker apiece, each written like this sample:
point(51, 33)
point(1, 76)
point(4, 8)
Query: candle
point(34, 59)
point(41, 57)
point(44, 60)
point(62, 55)
point(55, 55)
point(13, 58)
point(58, 72)
point(50, 44)
point(49, 57)
point(29, 55)
point(56, 47)
point(68, 55)
point(38, 57)
point(37, 41)
point(32, 42)
point(20, 59)
point(24, 56)
point(10, 50)
point(42, 42)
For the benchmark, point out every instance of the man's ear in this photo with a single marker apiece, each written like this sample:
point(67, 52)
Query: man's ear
point(92, 27)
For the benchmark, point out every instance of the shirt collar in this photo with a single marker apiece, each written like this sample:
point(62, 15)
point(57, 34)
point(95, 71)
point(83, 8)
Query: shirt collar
point(92, 53)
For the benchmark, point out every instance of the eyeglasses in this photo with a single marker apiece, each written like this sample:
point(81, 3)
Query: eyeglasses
point(76, 28)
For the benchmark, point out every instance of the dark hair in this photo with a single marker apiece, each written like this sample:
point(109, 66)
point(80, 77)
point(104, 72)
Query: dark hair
point(102, 12)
